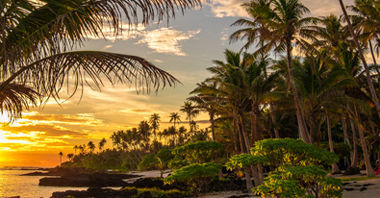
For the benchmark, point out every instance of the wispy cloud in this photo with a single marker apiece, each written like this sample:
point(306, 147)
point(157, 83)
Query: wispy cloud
point(162, 40)
point(232, 8)
point(226, 8)
point(167, 40)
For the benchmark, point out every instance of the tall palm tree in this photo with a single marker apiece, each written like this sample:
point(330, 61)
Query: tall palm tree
point(70, 156)
point(325, 34)
point(232, 91)
point(367, 21)
point(191, 111)
point(274, 26)
point(37, 39)
point(75, 149)
point(60, 157)
point(175, 118)
point(206, 100)
point(351, 64)
point(102, 144)
point(361, 56)
point(91, 146)
point(154, 123)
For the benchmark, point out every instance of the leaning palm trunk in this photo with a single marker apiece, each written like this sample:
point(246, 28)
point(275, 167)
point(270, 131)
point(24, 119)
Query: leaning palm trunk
point(334, 166)
point(303, 132)
point(273, 117)
point(373, 56)
point(244, 148)
point(368, 166)
point(212, 121)
point(354, 154)
point(368, 74)
point(346, 139)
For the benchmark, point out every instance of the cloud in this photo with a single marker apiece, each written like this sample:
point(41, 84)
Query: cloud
point(232, 8)
point(78, 119)
point(162, 40)
point(127, 31)
point(227, 8)
point(166, 40)
point(44, 129)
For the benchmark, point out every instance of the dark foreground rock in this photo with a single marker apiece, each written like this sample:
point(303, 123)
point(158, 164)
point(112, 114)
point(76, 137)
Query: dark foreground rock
point(123, 193)
point(96, 193)
point(155, 182)
point(87, 180)
point(215, 186)
point(38, 173)
point(352, 171)
point(57, 171)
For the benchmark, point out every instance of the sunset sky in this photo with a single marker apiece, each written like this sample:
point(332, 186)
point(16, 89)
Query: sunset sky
point(185, 48)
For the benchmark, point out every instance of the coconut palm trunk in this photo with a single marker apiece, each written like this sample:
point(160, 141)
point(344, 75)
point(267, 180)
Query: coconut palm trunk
point(244, 149)
point(273, 117)
point(334, 166)
point(373, 55)
point(303, 132)
point(368, 166)
point(368, 75)
point(212, 122)
point(346, 139)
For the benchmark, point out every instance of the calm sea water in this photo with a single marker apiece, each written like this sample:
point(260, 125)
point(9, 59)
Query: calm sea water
point(11, 184)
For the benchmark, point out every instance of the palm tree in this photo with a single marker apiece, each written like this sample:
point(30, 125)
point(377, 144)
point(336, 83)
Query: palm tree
point(70, 156)
point(232, 89)
point(191, 111)
point(91, 146)
point(102, 143)
point(361, 56)
point(37, 40)
point(326, 34)
point(206, 100)
point(350, 63)
point(75, 149)
point(155, 123)
point(175, 118)
point(367, 20)
point(275, 25)
point(60, 157)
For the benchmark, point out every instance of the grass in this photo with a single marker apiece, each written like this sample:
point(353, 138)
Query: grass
point(155, 192)
point(357, 178)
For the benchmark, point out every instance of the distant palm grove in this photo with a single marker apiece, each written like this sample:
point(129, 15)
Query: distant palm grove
point(298, 101)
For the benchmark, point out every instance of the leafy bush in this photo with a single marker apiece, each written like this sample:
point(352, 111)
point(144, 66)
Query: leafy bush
point(195, 152)
point(297, 169)
point(149, 162)
point(157, 161)
point(197, 176)
point(291, 152)
point(299, 181)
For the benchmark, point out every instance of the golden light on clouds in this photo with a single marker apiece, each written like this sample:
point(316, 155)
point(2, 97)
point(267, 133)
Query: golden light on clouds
point(167, 40)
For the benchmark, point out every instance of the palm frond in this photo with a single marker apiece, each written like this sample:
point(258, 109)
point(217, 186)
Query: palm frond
point(58, 26)
point(14, 98)
point(74, 70)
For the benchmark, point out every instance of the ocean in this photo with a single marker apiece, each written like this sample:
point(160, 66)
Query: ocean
point(12, 184)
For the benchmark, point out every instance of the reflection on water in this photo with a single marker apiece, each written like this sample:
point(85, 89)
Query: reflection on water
point(11, 184)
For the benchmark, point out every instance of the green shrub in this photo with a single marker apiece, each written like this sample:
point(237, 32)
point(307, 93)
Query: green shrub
point(299, 181)
point(195, 152)
point(197, 176)
point(149, 162)
point(297, 169)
